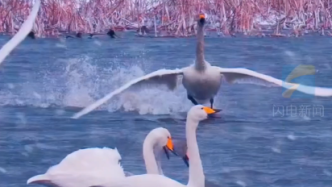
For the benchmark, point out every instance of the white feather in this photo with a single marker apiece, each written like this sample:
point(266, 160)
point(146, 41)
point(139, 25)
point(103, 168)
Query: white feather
point(21, 34)
point(87, 167)
point(239, 72)
point(154, 75)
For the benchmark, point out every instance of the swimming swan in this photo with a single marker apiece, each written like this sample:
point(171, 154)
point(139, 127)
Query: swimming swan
point(196, 175)
point(87, 167)
point(202, 81)
point(21, 34)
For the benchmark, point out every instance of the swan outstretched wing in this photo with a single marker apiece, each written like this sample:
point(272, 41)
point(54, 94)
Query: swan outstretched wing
point(21, 34)
point(85, 167)
point(163, 76)
point(234, 75)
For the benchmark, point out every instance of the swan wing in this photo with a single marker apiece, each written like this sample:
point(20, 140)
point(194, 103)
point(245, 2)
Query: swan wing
point(21, 34)
point(237, 75)
point(163, 76)
point(84, 167)
point(41, 179)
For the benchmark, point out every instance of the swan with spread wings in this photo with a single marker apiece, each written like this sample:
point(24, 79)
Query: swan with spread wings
point(202, 80)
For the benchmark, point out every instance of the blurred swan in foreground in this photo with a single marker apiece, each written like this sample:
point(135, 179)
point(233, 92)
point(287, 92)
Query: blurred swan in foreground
point(196, 175)
point(21, 34)
point(181, 149)
point(87, 167)
point(202, 81)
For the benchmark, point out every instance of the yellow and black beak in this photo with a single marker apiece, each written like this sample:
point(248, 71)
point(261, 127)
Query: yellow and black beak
point(202, 18)
point(209, 110)
point(169, 146)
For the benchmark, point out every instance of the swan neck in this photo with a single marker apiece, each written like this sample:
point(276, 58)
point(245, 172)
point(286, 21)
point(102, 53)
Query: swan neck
point(149, 156)
point(196, 174)
point(200, 62)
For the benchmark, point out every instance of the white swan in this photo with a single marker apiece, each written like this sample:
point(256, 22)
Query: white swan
point(87, 167)
point(196, 175)
point(21, 34)
point(202, 81)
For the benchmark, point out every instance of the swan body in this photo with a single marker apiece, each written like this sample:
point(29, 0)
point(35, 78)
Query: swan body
point(196, 175)
point(202, 81)
point(91, 166)
point(21, 34)
point(84, 167)
point(202, 85)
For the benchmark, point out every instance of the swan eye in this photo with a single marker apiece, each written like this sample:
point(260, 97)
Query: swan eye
point(202, 108)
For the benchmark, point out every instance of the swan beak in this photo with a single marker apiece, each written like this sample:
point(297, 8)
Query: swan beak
point(169, 146)
point(186, 160)
point(209, 110)
point(202, 18)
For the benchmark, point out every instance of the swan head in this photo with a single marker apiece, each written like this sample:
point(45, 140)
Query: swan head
point(201, 20)
point(162, 138)
point(199, 112)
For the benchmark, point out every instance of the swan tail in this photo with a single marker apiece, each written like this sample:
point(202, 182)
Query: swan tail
point(38, 179)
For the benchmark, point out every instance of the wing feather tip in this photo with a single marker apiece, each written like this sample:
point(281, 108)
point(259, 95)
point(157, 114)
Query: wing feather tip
point(21, 34)
point(38, 179)
point(172, 85)
point(75, 116)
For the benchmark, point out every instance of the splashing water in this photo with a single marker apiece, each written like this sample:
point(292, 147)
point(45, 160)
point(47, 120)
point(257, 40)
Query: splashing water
point(77, 82)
